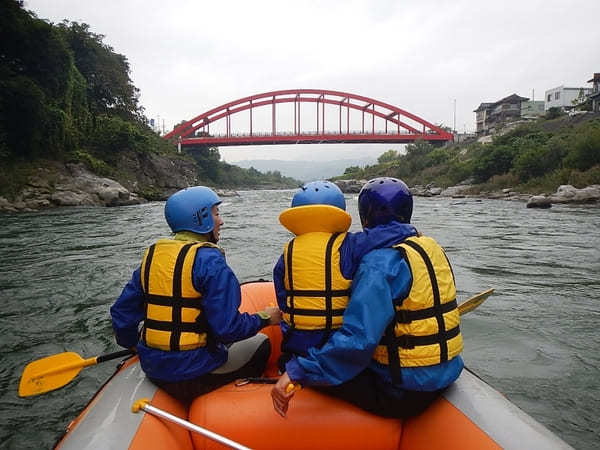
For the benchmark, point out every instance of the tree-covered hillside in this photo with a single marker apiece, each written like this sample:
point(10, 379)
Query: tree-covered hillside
point(67, 96)
point(535, 157)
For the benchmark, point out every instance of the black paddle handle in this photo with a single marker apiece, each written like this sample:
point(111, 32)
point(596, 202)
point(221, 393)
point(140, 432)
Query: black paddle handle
point(115, 355)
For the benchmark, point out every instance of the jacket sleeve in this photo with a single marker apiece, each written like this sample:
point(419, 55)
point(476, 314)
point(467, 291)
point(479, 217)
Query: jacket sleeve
point(278, 275)
point(221, 298)
point(128, 311)
point(381, 276)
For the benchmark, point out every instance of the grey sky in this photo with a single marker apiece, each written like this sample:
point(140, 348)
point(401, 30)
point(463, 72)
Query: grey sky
point(189, 56)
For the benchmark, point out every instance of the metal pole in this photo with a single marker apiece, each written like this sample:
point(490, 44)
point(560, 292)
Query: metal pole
point(454, 116)
point(373, 119)
point(143, 404)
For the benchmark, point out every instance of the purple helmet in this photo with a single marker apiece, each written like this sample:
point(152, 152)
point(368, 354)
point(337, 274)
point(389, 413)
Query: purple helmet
point(382, 200)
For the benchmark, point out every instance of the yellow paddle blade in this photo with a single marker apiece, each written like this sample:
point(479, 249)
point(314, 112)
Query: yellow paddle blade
point(51, 373)
point(474, 302)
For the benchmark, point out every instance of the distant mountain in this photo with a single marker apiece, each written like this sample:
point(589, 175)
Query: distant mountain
point(305, 170)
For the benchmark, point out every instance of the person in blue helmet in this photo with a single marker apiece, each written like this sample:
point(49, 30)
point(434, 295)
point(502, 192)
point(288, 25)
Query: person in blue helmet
point(313, 276)
point(400, 343)
point(193, 338)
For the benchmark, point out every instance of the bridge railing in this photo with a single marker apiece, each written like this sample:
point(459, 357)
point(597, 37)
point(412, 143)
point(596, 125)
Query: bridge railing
point(305, 133)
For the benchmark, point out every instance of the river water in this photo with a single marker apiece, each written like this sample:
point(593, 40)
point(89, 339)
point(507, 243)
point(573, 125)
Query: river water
point(536, 339)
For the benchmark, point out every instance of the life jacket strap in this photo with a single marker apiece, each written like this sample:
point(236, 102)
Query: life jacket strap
point(389, 340)
point(410, 341)
point(406, 316)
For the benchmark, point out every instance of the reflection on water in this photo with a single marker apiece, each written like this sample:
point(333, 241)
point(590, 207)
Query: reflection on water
point(535, 339)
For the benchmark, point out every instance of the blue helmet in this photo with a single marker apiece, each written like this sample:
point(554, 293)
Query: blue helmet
point(190, 210)
point(319, 193)
point(382, 200)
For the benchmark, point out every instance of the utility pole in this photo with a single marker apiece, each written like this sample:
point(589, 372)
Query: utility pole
point(454, 128)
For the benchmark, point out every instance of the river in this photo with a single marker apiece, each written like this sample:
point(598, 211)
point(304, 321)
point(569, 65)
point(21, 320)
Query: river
point(536, 339)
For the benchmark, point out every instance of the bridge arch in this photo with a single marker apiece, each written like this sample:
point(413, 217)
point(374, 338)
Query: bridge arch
point(395, 125)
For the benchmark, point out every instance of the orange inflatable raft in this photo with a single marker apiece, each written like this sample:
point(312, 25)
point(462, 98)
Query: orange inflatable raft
point(470, 415)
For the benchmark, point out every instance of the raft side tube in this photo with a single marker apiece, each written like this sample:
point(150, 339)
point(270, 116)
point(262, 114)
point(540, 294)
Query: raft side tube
point(108, 423)
point(493, 413)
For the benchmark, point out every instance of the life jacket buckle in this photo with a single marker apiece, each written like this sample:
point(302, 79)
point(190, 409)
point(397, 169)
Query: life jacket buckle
point(405, 341)
point(403, 316)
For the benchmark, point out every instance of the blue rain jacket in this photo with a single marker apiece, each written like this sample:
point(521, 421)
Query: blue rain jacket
point(221, 298)
point(354, 247)
point(382, 276)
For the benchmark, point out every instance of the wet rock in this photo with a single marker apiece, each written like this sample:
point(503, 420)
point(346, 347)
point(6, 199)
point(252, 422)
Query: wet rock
point(456, 191)
point(226, 193)
point(350, 186)
point(539, 201)
point(569, 194)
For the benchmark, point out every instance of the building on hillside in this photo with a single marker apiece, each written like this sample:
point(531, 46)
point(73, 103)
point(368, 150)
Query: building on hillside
point(491, 116)
point(565, 98)
point(595, 95)
point(532, 109)
point(481, 117)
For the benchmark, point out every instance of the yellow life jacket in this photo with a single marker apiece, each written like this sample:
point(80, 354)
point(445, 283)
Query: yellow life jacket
point(317, 292)
point(174, 318)
point(426, 329)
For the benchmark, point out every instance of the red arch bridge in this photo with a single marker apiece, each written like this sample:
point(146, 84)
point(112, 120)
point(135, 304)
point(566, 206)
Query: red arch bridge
point(305, 116)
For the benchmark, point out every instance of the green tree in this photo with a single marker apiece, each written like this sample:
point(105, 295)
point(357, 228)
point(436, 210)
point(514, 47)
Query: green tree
point(388, 156)
point(208, 159)
point(585, 149)
point(495, 160)
point(110, 89)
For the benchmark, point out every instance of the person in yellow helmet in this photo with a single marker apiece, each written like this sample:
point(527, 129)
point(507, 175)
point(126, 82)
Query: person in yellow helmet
point(399, 345)
point(193, 337)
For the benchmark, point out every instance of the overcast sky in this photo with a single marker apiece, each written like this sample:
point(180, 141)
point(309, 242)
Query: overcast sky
point(189, 56)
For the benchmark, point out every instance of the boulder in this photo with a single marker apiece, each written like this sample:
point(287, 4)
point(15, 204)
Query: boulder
point(350, 186)
point(455, 191)
point(569, 194)
point(539, 201)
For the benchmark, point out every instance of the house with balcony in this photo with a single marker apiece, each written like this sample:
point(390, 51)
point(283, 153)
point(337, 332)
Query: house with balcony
point(595, 95)
point(492, 116)
point(565, 98)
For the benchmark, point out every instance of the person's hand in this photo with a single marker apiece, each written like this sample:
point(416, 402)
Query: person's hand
point(281, 395)
point(274, 315)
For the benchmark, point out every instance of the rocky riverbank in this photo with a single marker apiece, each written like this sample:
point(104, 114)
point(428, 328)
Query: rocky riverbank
point(155, 177)
point(141, 177)
point(563, 194)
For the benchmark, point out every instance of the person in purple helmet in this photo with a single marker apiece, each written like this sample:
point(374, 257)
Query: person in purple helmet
point(313, 276)
point(400, 343)
point(193, 338)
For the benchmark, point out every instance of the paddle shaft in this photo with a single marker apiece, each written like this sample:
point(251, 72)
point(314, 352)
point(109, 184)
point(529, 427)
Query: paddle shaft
point(85, 362)
point(191, 426)
point(115, 355)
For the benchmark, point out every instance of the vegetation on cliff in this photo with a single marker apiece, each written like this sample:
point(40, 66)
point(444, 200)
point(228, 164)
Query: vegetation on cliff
point(66, 96)
point(535, 157)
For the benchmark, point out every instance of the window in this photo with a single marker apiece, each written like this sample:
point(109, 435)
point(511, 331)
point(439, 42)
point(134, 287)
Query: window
point(549, 97)
point(556, 95)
